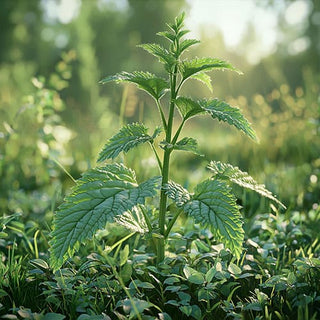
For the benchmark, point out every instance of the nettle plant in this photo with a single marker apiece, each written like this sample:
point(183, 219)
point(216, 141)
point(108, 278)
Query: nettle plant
point(111, 193)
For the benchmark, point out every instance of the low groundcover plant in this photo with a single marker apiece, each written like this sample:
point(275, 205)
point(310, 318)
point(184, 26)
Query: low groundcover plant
point(111, 193)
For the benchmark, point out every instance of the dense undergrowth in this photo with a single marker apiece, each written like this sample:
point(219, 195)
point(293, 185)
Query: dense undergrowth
point(114, 276)
point(277, 276)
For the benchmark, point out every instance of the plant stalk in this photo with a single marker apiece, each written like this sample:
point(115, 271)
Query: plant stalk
point(165, 168)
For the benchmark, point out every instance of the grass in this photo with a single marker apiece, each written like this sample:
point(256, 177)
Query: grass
point(277, 277)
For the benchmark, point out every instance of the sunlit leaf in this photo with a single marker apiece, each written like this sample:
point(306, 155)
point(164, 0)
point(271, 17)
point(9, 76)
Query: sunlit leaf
point(224, 112)
point(99, 196)
point(187, 144)
point(188, 108)
point(129, 136)
point(204, 78)
point(133, 220)
point(177, 193)
point(222, 170)
point(191, 67)
point(218, 110)
point(161, 53)
point(178, 23)
point(146, 81)
point(212, 204)
point(166, 34)
point(185, 44)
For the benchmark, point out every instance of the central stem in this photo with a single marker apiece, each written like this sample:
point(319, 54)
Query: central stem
point(165, 168)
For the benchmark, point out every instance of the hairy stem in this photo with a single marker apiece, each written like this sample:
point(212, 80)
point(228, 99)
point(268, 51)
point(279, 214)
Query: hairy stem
point(172, 222)
point(176, 136)
point(164, 122)
point(165, 167)
point(156, 155)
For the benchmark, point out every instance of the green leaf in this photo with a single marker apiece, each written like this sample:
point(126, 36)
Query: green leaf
point(177, 193)
point(134, 306)
point(224, 112)
point(234, 269)
point(178, 23)
point(124, 254)
point(127, 138)
point(188, 108)
point(234, 174)
point(204, 78)
point(212, 204)
point(218, 110)
point(185, 44)
point(146, 81)
point(53, 316)
point(133, 220)
point(161, 53)
point(168, 35)
point(191, 67)
point(196, 312)
point(187, 310)
point(99, 196)
point(187, 144)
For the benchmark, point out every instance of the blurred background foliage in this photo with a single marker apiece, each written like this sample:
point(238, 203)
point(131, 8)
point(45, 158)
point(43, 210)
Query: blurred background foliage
point(55, 117)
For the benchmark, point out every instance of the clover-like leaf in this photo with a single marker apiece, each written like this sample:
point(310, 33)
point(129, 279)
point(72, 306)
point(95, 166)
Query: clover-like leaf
point(146, 81)
point(129, 136)
point(99, 197)
point(212, 204)
point(222, 170)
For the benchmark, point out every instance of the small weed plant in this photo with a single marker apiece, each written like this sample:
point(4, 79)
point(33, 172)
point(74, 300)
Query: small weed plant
point(111, 193)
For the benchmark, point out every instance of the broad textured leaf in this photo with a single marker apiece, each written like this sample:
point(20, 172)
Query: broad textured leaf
point(161, 53)
point(218, 110)
point(146, 81)
point(133, 220)
point(187, 144)
point(234, 174)
point(191, 67)
point(177, 193)
point(204, 78)
point(224, 112)
point(99, 196)
point(127, 138)
point(212, 204)
point(188, 108)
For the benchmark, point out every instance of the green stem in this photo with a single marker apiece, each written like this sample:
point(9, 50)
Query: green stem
point(121, 241)
point(165, 167)
point(176, 136)
point(164, 122)
point(179, 86)
point(147, 219)
point(172, 222)
point(157, 156)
